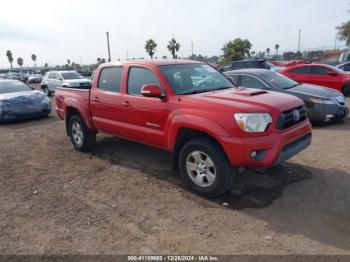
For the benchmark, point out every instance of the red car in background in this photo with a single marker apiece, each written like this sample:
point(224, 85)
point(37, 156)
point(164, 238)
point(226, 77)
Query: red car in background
point(320, 74)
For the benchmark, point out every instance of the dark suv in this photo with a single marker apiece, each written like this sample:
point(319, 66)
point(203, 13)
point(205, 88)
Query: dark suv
point(246, 64)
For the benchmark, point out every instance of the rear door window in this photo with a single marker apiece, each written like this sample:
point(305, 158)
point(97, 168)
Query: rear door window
point(305, 70)
point(320, 70)
point(110, 79)
point(251, 82)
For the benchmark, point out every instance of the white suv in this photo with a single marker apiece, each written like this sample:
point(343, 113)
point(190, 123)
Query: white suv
point(69, 79)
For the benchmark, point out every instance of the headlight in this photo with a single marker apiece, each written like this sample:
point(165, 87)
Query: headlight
point(323, 101)
point(256, 122)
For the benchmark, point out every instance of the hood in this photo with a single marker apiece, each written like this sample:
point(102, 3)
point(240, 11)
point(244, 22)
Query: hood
point(249, 100)
point(314, 91)
point(18, 98)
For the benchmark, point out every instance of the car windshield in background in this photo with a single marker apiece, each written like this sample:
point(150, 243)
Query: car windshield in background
point(72, 75)
point(278, 80)
point(11, 87)
point(188, 79)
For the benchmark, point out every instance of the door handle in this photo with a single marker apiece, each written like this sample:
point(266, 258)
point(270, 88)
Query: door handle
point(126, 104)
point(95, 99)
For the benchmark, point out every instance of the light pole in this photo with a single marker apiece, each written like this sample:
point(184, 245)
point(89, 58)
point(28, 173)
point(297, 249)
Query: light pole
point(299, 40)
point(192, 49)
point(109, 50)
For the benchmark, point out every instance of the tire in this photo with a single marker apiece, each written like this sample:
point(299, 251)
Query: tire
point(81, 137)
point(346, 90)
point(197, 160)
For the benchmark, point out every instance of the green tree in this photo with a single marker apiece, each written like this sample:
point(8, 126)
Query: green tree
point(277, 46)
point(151, 47)
point(98, 60)
point(103, 60)
point(236, 50)
point(268, 51)
point(20, 62)
point(68, 61)
point(46, 65)
point(344, 32)
point(10, 57)
point(34, 59)
point(173, 47)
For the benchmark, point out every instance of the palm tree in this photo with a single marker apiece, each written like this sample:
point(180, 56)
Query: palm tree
point(34, 59)
point(268, 51)
point(277, 46)
point(99, 60)
point(173, 47)
point(150, 47)
point(68, 61)
point(10, 57)
point(20, 62)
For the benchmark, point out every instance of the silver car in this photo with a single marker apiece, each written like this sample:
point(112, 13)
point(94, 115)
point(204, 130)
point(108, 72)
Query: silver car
point(69, 79)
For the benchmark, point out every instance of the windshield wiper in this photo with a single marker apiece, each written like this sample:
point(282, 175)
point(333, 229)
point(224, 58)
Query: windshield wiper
point(207, 90)
point(288, 87)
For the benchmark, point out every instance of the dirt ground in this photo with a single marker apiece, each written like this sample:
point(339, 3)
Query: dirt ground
point(123, 198)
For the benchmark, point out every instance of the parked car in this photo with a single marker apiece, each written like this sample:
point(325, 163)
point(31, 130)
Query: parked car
point(322, 104)
point(3, 75)
point(320, 74)
point(20, 101)
point(345, 66)
point(16, 76)
point(35, 79)
point(344, 57)
point(191, 110)
point(248, 64)
point(54, 79)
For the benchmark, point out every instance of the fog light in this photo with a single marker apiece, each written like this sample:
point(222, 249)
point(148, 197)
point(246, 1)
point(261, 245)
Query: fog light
point(258, 155)
point(328, 117)
point(253, 154)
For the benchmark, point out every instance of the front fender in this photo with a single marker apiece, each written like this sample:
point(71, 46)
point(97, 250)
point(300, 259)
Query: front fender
point(198, 123)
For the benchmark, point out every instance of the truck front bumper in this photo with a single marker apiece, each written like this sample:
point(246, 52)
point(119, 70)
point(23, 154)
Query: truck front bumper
point(270, 150)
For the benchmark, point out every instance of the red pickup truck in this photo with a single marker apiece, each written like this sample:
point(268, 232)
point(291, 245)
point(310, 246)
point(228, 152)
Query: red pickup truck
point(191, 110)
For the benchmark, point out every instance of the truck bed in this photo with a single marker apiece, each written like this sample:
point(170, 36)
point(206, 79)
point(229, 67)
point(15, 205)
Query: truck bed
point(77, 98)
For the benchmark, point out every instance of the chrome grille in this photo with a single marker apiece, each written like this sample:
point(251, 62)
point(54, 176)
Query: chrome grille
point(291, 117)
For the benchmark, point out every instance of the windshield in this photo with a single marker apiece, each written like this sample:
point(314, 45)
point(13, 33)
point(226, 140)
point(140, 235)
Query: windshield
point(278, 80)
point(194, 78)
point(11, 87)
point(72, 75)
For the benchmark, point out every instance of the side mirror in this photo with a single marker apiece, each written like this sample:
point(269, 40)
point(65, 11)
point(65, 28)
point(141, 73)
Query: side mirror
point(231, 80)
point(332, 73)
point(151, 91)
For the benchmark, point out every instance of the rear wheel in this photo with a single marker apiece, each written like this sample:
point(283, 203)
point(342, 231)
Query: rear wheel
point(346, 90)
point(82, 138)
point(205, 167)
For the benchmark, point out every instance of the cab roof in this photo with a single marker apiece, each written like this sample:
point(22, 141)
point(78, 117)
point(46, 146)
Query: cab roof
point(154, 62)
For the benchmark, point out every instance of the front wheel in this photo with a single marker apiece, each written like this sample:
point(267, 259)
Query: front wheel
point(205, 167)
point(82, 138)
point(346, 90)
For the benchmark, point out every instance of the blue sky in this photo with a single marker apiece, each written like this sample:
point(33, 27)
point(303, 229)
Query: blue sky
point(75, 30)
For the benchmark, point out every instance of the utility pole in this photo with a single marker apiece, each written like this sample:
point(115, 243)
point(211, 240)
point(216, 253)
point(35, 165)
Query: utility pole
point(335, 41)
point(109, 50)
point(299, 40)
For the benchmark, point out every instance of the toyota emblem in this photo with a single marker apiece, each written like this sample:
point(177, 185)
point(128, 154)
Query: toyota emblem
point(296, 115)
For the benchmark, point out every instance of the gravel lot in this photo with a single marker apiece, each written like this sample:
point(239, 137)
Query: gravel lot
point(123, 198)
